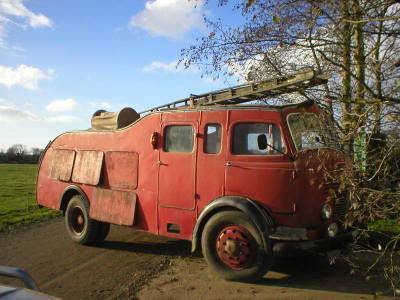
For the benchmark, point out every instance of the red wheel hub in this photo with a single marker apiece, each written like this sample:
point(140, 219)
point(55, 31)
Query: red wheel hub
point(236, 247)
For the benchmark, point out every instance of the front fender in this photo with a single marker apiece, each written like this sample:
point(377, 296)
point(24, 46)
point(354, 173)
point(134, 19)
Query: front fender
point(257, 214)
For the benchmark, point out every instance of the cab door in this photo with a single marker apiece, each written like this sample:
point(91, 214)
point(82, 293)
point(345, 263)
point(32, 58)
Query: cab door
point(211, 159)
point(263, 174)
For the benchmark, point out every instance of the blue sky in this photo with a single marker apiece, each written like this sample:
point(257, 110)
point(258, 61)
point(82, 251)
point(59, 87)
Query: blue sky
point(61, 60)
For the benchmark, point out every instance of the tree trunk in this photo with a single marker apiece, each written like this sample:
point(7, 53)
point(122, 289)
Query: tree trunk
point(360, 64)
point(346, 76)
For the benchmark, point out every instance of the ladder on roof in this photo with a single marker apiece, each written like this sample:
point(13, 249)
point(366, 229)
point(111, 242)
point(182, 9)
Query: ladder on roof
point(249, 91)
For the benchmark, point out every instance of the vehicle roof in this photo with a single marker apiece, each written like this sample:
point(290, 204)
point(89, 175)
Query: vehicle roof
point(273, 108)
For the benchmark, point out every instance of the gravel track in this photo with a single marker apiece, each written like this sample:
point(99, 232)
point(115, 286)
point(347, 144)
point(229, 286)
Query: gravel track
point(135, 265)
point(116, 269)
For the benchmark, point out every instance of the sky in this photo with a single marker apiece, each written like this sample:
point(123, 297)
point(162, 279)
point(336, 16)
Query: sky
point(61, 60)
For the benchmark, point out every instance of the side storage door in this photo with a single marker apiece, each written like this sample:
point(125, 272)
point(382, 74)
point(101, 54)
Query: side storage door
point(177, 165)
point(176, 178)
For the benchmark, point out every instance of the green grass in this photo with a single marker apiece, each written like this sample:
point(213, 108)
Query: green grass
point(391, 226)
point(17, 197)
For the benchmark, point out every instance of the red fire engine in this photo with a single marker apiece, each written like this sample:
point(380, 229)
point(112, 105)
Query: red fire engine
point(240, 181)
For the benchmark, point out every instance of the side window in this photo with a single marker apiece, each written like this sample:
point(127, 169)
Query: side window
point(213, 139)
point(179, 138)
point(257, 139)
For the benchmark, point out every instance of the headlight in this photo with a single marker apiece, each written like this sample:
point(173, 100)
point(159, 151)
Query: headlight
point(333, 230)
point(326, 211)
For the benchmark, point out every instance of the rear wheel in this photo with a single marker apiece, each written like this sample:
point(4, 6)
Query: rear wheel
point(232, 247)
point(80, 227)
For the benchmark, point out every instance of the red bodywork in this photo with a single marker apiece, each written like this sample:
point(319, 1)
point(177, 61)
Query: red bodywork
point(128, 181)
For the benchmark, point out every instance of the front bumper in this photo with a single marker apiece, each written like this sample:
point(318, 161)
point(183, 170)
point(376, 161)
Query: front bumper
point(294, 248)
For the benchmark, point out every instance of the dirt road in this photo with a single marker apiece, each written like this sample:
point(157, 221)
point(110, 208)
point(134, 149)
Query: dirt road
point(136, 265)
point(189, 278)
point(62, 268)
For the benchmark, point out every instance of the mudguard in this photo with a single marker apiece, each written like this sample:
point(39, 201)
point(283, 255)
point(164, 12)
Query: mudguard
point(257, 214)
point(67, 194)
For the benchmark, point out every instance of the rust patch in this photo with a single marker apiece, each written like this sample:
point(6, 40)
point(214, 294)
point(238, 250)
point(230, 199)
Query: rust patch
point(87, 168)
point(117, 207)
point(121, 169)
point(62, 164)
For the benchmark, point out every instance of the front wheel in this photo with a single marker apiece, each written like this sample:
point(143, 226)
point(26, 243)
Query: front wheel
point(232, 247)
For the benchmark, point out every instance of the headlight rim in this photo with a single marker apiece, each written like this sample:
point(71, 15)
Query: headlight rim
point(326, 211)
point(333, 230)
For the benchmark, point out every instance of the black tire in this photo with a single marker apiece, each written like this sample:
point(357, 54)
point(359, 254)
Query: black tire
point(80, 227)
point(232, 247)
point(103, 231)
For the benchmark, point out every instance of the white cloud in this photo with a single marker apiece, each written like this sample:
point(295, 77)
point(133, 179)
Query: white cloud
point(59, 105)
point(212, 81)
point(25, 76)
point(103, 105)
point(159, 65)
point(62, 119)
point(10, 113)
point(170, 18)
point(168, 67)
point(14, 12)
point(16, 8)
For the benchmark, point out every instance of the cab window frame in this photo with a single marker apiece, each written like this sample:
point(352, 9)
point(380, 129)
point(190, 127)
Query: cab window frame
point(266, 122)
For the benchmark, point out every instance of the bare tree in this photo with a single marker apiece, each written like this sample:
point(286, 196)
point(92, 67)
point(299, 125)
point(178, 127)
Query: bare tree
point(17, 150)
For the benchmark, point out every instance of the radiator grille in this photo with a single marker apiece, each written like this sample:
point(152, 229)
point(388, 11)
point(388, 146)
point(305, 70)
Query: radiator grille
point(340, 210)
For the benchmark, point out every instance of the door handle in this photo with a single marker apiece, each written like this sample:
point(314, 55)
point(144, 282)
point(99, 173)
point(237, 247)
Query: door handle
point(160, 163)
point(228, 164)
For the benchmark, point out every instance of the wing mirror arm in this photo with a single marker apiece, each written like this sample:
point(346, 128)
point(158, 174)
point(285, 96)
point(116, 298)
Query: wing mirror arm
point(263, 144)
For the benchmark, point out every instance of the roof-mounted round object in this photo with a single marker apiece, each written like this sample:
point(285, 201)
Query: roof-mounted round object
point(105, 120)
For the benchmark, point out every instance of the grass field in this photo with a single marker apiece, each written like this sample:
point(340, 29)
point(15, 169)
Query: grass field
point(17, 197)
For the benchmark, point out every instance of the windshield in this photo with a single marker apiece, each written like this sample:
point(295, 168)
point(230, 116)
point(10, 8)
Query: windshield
point(310, 131)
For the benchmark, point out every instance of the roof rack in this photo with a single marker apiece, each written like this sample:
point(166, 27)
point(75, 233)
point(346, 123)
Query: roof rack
point(249, 91)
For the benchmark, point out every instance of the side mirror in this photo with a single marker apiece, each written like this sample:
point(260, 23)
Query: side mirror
point(262, 142)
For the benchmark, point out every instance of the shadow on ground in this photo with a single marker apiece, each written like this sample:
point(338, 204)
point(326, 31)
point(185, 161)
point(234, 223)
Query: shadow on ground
point(310, 272)
point(169, 247)
point(316, 273)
